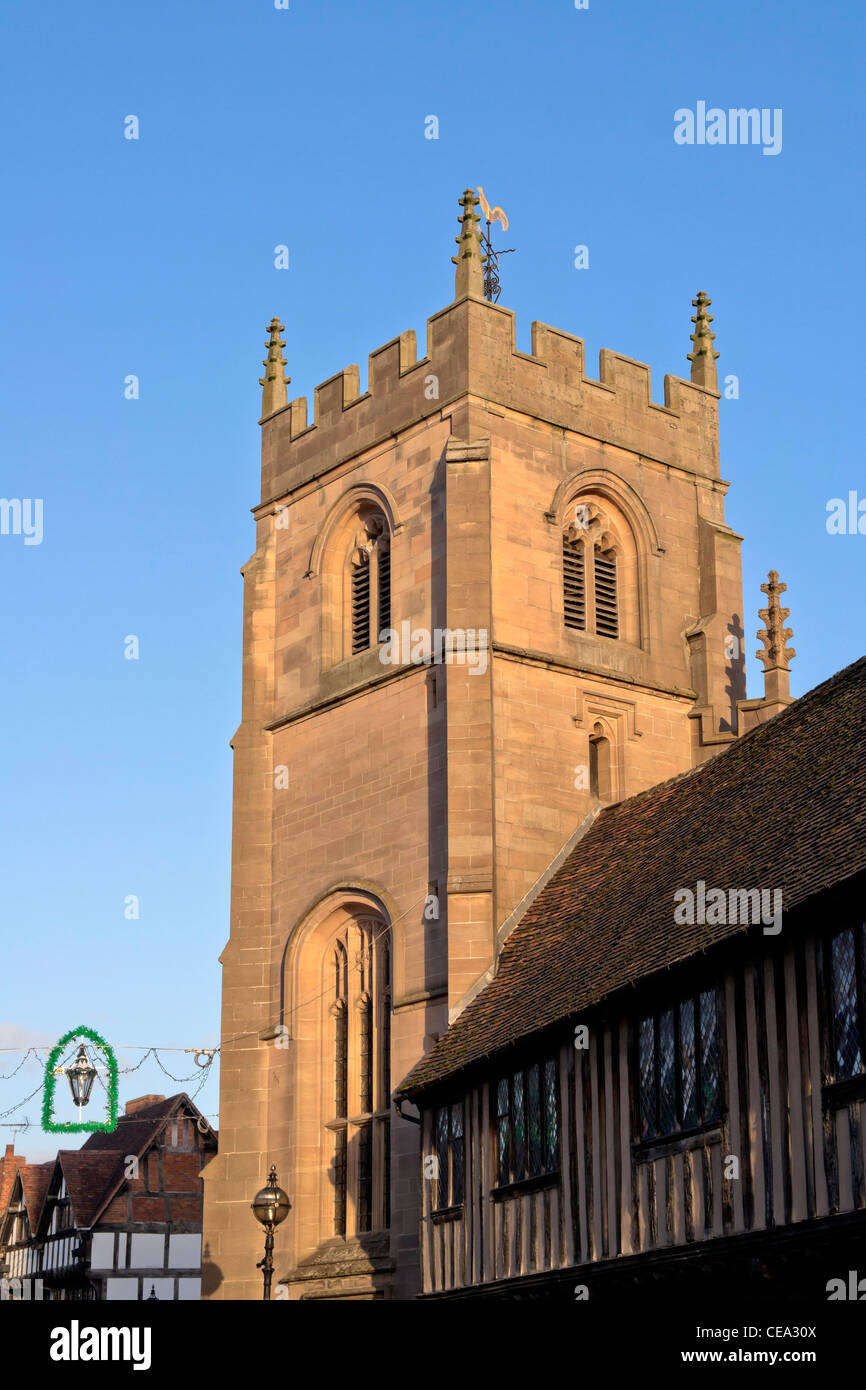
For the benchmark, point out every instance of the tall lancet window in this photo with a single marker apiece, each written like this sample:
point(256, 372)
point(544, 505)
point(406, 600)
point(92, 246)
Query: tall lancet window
point(360, 602)
point(369, 593)
point(360, 1124)
point(339, 1013)
point(595, 569)
point(574, 583)
point(606, 604)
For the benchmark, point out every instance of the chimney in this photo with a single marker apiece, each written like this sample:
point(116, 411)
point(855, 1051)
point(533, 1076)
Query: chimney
point(140, 1103)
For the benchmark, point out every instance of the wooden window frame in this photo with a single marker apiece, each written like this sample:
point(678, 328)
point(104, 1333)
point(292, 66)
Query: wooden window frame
point(704, 1124)
point(844, 1088)
point(549, 1173)
point(445, 1187)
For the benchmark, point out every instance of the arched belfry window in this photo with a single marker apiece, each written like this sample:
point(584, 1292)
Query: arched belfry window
point(359, 1122)
point(606, 605)
point(574, 582)
point(369, 582)
point(599, 573)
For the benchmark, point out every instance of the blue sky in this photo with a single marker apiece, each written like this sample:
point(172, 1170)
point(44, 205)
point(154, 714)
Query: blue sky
point(155, 257)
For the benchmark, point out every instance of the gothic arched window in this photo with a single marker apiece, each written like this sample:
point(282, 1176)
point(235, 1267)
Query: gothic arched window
point(360, 1123)
point(599, 573)
point(606, 601)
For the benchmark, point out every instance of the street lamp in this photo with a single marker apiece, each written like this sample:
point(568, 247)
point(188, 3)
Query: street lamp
point(81, 1076)
point(270, 1206)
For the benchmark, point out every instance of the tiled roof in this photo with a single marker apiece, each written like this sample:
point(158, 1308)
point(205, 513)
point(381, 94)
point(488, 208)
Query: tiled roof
point(780, 808)
point(134, 1135)
point(35, 1178)
point(89, 1179)
point(135, 1131)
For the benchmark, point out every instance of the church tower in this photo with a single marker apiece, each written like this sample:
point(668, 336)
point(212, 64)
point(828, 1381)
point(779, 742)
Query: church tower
point(488, 594)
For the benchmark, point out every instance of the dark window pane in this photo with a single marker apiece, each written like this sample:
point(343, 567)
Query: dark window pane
point(647, 1069)
point(341, 1052)
point(533, 1119)
point(502, 1106)
point(709, 1056)
point(503, 1130)
point(340, 1183)
point(457, 1171)
point(365, 1178)
point(457, 1121)
point(386, 1144)
point(551, 1119)
point(442, 1156)
point(518, 1126)
point(366, 1056)
point(846, 1030)
point(688, 1093)
point(503, 1164)
point(667, 1065)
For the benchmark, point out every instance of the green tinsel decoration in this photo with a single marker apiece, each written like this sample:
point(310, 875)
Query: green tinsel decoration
point(90, 1126)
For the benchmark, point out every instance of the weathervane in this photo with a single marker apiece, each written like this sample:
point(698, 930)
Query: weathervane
point(491, 267)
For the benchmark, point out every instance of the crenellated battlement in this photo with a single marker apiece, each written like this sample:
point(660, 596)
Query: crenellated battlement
point(471, 351)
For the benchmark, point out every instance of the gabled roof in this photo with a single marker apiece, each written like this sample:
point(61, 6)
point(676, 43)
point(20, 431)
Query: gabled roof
point(135, 1131)
point(89, 1176)
point(35, 1178)
point(781, 808)
point(134, 1135)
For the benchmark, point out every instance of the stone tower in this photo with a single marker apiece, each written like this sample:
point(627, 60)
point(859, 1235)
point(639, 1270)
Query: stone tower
point(488, 594)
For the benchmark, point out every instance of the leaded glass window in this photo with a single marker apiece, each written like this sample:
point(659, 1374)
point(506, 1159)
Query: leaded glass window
point(365, 1178)
point(448, 1138)
point(678, 1067)
point(848, 985)
point(340, 1182)
point(360, 1121)
point(527, 1123)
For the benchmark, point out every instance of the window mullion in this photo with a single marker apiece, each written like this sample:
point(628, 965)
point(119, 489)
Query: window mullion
point(374, 595)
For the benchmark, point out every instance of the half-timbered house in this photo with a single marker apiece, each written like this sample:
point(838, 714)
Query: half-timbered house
point(119, 1218)
point(665, 1078)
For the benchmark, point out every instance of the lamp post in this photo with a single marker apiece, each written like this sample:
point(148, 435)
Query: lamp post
point(81, 1076)
point(270, 1206)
